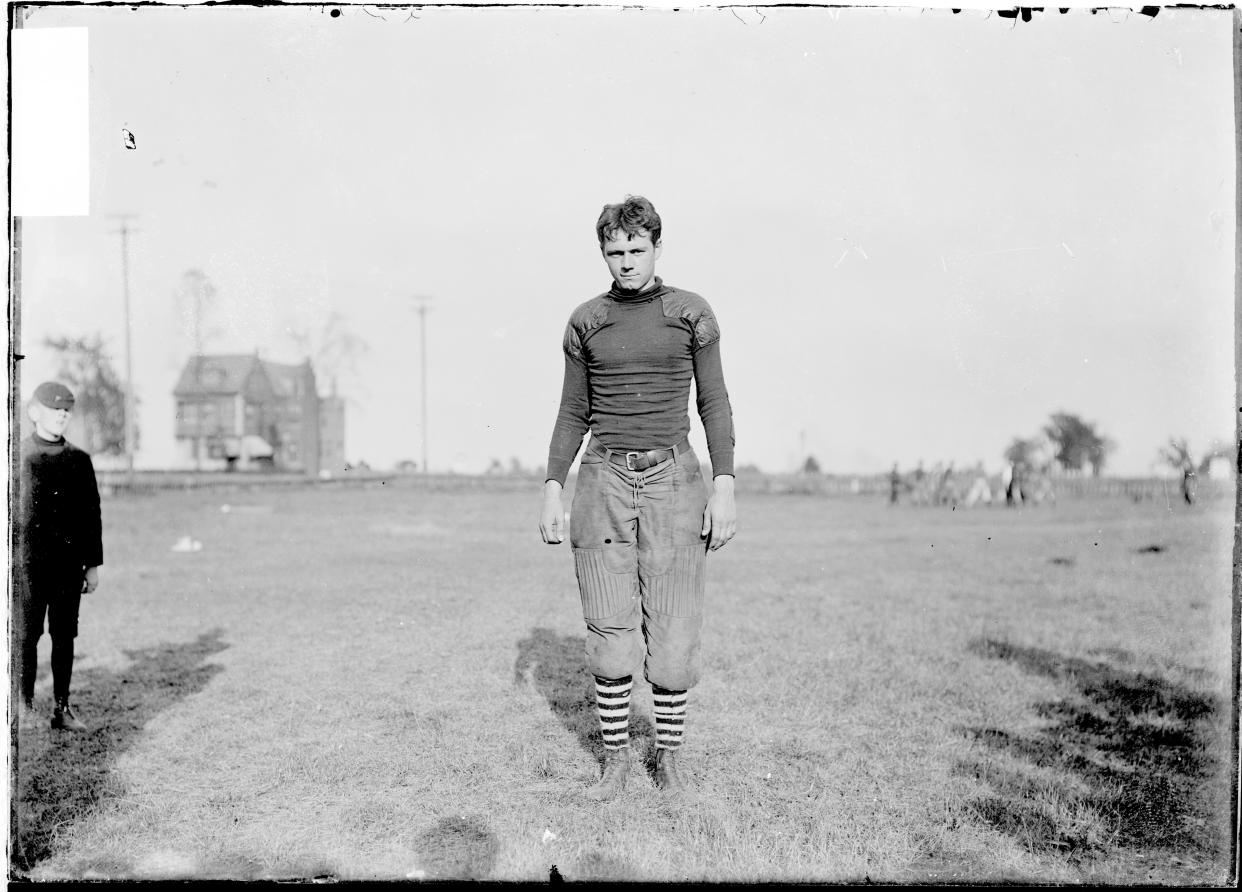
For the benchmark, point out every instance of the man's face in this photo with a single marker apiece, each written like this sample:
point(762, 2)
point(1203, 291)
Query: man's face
point(631, 259)
point(49, 423)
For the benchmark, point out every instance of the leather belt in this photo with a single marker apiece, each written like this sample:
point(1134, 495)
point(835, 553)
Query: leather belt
point(640, 461)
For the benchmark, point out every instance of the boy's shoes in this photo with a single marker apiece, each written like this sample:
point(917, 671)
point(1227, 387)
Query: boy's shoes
point(27, 715)
point(64, 719)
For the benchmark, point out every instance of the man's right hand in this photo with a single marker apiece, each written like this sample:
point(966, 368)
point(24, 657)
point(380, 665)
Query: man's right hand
point(552, 517)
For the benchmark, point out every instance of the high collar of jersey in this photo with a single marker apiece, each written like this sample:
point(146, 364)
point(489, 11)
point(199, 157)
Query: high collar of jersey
point(632, 297)
point(43, 441)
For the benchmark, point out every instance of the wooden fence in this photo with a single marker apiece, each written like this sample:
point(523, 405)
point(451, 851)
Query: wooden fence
point(1134, 488)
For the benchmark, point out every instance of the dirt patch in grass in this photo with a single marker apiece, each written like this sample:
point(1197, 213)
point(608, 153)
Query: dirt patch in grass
point(64, 776)
point(1122, 764)
point(458, 848)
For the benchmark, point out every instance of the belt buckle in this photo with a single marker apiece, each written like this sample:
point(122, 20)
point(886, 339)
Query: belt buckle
point(630, 458)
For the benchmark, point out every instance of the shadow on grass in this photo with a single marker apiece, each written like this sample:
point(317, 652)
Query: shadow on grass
point(556, 665)
point(63, 775)
point(457, 848)
point(1123, 764)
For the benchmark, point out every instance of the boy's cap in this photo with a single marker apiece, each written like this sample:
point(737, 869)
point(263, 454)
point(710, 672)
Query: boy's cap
point(54, 395)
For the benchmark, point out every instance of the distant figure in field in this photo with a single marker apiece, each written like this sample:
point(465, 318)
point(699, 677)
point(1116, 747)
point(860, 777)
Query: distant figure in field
point(1188, 483)
point(642, 519)
point(60, 546)
point(918, 485)
point(946, 490)
point(894, 484)
point(1011, 479)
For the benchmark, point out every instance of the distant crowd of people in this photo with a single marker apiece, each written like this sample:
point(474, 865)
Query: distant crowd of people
point(1018, 484)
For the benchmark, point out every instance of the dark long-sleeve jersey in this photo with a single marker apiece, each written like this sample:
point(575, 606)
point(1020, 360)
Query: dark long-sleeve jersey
point(58, 517)
point(629, 361)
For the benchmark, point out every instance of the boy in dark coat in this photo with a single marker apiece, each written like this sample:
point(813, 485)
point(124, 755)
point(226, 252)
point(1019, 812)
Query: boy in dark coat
point(60, 545)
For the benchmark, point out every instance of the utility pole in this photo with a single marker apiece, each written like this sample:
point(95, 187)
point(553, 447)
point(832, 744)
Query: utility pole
point(420, 305)
point(124, 232)
point(202, 292)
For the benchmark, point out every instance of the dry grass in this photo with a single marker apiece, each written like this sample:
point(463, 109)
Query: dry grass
point(388, 683)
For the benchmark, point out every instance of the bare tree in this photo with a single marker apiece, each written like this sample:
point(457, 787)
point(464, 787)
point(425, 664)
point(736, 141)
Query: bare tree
point(334, 350)
point(86, 366)
point(1022, 451)
point(198, 298)
point(1179, 456)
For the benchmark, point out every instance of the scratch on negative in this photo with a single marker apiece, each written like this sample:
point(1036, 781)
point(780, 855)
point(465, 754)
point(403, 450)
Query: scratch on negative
point(373, 15)
point(736, 16)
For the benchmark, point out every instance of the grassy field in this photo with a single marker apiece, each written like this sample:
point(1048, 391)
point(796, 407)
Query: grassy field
point(387, 682)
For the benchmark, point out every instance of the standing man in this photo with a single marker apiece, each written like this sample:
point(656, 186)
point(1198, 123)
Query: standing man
point(60, 545)
point(642, 519)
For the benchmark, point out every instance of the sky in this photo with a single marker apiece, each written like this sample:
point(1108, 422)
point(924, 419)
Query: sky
point(922, 233)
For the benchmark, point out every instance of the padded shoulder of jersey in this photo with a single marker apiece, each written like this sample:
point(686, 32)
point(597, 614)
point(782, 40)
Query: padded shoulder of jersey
point(585, 318)
point(694, 309)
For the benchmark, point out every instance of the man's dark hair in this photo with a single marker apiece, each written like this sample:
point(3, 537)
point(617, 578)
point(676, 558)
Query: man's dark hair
point(632, 216)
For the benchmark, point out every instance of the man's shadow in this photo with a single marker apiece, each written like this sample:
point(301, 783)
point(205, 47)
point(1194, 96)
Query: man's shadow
point(556, 665)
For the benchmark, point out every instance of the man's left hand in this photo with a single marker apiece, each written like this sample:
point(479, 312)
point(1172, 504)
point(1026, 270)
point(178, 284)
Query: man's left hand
point(720, 516)
point(91, 580)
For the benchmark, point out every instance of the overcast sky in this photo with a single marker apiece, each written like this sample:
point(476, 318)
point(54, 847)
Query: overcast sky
point(922, 233)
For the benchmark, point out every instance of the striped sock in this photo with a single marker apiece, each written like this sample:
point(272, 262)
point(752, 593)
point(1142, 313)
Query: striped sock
point(670, 716)
point(612, 699)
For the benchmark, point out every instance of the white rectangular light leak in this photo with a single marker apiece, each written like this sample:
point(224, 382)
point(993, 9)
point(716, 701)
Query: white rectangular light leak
point(51, 123)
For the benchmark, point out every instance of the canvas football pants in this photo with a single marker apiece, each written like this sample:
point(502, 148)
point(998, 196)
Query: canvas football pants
point(640, 563)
